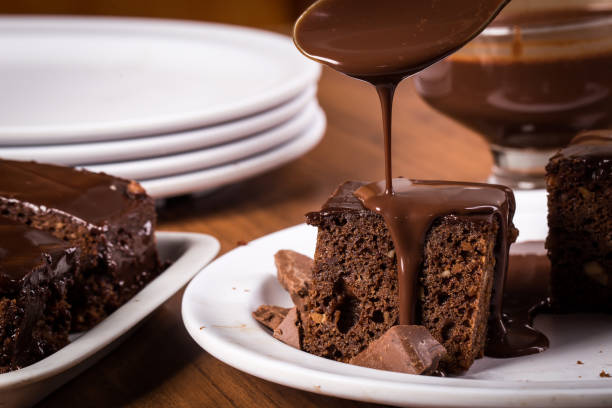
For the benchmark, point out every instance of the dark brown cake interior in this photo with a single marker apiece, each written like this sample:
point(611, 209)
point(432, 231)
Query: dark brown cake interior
point(36, 270)
point(354, 298)
point(579, 243)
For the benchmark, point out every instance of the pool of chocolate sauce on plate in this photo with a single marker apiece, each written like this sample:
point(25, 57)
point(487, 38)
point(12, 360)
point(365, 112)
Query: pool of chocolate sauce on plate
point(383, 45)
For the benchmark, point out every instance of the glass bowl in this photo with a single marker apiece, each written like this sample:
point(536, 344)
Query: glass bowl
point(528, 83)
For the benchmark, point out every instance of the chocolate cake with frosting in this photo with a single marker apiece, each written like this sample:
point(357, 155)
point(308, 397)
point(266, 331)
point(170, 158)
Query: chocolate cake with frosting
point(36, 270)
point(354, 299)
point(111, 221)
point(579, 243)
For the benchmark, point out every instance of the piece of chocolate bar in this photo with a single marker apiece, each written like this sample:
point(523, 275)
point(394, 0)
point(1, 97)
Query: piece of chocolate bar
point(288, 331)
point(405, 349)
point(270, 316)
point(294, 273)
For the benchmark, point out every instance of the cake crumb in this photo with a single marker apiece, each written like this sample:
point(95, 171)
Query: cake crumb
point(579, 362)
point(247, 290)
point(202, 327)
point(604, 374)
point(233, 288)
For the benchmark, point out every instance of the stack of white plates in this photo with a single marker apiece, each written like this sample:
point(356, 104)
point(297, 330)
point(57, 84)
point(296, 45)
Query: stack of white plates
point(180, 106)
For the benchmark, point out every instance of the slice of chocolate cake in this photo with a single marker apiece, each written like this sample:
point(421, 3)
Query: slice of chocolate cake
point(354, 295)
point(111, 220)
point(579, 243)
point(36, 270)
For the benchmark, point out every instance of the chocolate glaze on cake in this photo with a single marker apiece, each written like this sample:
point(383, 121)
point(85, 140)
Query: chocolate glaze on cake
point(90, 198)
point(36, 270)
point(590, 144)
point(23, 249)
point(110, 219)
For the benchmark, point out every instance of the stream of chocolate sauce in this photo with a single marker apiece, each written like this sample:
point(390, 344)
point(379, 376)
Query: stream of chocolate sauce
point(383, 44)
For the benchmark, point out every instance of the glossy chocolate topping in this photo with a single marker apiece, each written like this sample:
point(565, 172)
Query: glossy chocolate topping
point(366, 39)
point(413, 207)
point(417, 205)
point(410, 212)
point(92, 197)
point(590, 144)
point(25, 253)
point(386, 41)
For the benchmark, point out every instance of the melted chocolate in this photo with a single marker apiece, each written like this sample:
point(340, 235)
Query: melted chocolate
point(590, 144)
point(410, 212)
point(537, 99)
point(92, 197)
point(25, 253)
point(526, 293)
point(390, 41)
point(391, 37)
point(382, 45)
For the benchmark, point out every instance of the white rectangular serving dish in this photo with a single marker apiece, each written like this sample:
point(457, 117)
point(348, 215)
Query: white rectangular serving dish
point(188, 252)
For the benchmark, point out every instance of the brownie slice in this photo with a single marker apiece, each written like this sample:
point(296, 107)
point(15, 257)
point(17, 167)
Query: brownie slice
point(111, 220)
point(36, 270)
point(579, 243)
point(354, 297)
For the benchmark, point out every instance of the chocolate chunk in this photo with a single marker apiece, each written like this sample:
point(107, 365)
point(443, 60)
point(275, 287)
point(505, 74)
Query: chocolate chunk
point(288, 331)
point(294, 272)
point(405, 349)
point(270, 316)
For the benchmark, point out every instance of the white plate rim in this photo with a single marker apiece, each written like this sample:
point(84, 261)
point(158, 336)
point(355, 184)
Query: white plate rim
point(187, 120)
point(71, 154)
point(164, 166)
point(208, 179)
point(342, 380)
point(200, 250)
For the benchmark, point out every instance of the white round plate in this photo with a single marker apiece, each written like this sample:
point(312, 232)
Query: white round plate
point(164, 166)
point(217, 308)
point(531, 214)
point(151, 146)
point(69, 79)
point(212, 178)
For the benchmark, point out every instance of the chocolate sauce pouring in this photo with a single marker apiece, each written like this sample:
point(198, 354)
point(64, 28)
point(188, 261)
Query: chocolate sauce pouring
point(386, 41)
point(382, 43)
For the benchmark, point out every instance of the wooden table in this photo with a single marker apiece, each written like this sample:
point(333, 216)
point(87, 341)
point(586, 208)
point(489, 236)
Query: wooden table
point(160, 365)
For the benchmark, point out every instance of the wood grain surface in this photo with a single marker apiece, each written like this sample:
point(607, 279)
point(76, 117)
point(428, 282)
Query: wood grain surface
point(159, 365)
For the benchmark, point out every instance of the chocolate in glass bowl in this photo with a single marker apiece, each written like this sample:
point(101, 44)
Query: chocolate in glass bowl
point(529, 83)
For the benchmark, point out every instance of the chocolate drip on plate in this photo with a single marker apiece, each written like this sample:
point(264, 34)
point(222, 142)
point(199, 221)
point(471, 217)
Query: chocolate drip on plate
point(526, 292)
